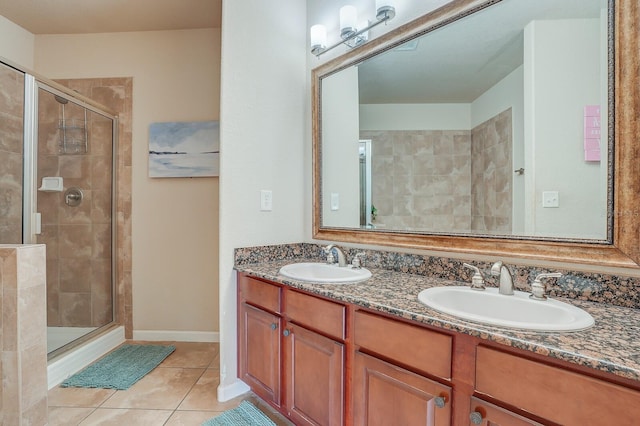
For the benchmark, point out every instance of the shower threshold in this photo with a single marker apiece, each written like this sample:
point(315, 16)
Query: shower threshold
point(57, 337)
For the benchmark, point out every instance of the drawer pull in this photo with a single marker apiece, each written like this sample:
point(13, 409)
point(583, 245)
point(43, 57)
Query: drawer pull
point(440, 401)
point(274, 326)
point(476, 418)
point(286, 333)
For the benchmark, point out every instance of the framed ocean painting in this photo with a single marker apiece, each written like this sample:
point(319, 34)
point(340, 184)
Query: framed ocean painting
point(184, 149)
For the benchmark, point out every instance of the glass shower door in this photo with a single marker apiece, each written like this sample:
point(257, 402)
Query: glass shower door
point(75, 203)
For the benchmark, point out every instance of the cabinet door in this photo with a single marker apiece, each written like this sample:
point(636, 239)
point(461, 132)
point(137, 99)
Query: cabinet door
point(486, 414)
point(259, 352)
point(387, 395)
point(553, 393)
point(313, 370)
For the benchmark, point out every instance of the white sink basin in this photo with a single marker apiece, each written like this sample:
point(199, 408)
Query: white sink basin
point(323, 273)
point(517, 311)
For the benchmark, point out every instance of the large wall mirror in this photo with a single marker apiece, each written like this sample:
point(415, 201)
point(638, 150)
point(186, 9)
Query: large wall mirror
point(502, 127)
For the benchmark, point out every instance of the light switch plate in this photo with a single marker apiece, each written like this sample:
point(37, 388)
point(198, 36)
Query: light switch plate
point(335, 201)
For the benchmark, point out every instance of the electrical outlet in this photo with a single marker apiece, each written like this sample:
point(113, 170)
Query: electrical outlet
point(550, 199)
point(266, 200)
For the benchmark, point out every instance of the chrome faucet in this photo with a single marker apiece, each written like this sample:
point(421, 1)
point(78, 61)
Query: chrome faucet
point(506, 280)
point(342, 259)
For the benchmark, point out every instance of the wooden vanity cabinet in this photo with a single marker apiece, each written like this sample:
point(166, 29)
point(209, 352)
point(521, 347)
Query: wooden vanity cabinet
point(558, 395)
point(259, 327)
point(387, 389)
point(313, 359)
point(298, 352)
point(486, 414)
point(314, 377)
point(291, 351)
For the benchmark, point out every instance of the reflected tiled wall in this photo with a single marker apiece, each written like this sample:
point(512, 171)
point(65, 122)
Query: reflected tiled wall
point(492, 175)
point(421, 179)
point(444, 180)
point(11, 131)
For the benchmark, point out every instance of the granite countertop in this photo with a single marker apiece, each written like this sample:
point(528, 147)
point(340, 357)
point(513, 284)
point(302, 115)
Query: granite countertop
point(611, 345)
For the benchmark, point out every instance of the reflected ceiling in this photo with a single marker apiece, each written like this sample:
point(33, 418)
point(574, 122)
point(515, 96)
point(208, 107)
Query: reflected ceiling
point(439, 63)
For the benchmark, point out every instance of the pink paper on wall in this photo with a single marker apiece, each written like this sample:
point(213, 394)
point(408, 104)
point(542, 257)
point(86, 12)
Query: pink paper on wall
point(592, 121)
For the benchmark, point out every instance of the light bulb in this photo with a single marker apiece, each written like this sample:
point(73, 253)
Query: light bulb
point(318, 37)
point(348, 21)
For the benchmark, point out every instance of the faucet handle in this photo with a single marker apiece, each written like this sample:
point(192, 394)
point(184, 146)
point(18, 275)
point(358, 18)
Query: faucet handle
point(356, 263)
point(537, 288)
point(477, 280)
point(328, 250)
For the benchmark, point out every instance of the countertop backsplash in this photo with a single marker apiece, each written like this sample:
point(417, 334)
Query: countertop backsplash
point(603, 288)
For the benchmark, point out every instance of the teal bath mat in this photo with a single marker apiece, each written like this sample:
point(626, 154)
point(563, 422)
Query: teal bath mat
point(121, 368)
point(245, 414)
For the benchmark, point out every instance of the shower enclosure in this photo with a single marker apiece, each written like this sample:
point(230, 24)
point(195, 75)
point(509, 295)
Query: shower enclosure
point(57, 187)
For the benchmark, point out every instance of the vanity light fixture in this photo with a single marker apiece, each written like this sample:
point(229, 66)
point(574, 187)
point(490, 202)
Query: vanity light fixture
point(349, 33)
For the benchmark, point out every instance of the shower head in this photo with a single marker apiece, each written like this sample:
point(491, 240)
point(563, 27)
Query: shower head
point(61, 100)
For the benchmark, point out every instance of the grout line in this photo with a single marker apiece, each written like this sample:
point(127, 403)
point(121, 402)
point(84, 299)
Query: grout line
point(204, 370)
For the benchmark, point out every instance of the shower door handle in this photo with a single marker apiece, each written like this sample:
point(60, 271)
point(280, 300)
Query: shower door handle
point(37, 223)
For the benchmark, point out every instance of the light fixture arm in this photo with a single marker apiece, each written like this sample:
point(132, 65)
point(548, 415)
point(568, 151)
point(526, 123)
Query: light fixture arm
point(384, 18)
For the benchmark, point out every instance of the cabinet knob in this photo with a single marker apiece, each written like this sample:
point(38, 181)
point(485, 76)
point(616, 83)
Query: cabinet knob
point(274, 326)
point(476, 418)
point(286, 333)
point(440, 401)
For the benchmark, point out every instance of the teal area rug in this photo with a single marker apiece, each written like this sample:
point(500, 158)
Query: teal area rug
point(245, 414)
point(121, 368)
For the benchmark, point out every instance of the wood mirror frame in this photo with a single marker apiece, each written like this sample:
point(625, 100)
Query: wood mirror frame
point(624, 251)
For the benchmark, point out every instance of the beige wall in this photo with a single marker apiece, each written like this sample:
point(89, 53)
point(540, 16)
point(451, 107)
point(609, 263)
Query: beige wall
point(176, 77)
point(16, 43)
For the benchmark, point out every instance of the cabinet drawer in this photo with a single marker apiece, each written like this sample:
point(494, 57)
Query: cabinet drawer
point(260, 293)
point(317, 314)
point(494, 415)
point(413, 346)
point(554, 393)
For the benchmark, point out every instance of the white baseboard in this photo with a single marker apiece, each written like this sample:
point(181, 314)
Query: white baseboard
point(78, 358)
point(176, 336)
point(230, 391)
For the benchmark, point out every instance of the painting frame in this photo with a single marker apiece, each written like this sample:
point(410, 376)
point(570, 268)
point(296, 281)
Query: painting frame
point(181, 149)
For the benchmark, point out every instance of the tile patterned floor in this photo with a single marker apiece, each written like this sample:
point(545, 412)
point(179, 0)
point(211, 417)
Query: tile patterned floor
point(181, 391)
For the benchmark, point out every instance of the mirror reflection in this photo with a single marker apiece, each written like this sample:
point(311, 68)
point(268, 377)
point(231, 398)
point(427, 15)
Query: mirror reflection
point(495, 124)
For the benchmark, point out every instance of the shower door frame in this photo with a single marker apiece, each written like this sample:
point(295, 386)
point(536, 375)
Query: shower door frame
point(31, 220)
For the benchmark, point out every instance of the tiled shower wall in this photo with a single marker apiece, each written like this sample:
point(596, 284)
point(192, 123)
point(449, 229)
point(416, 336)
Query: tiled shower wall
point(11, 111)
point(443, 180)
point(116, 94)
point(492, 175)
point(78, 238)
